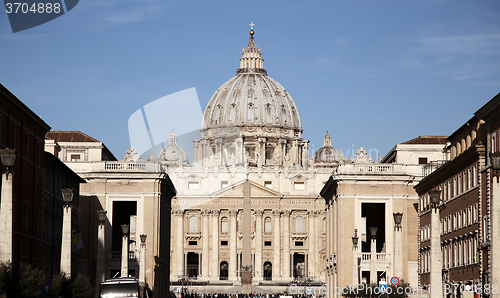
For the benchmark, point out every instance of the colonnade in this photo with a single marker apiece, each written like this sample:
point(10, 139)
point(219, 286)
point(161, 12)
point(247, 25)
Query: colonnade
point(212, 253)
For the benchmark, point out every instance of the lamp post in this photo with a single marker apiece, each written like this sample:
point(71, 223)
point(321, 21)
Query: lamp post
point(436, 290)
point(8, 157)
point(101, 215)
point(355, 240)
point(67, 195)
point(142, 273)
point(398, 253)
point(124, 270)
point(495, 223)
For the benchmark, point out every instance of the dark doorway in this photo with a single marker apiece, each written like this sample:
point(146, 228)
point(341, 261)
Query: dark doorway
point(299, 265)
point(223, 270)
point(121, 216)
point(192, 264)
point(375, 217)
point(268, 271)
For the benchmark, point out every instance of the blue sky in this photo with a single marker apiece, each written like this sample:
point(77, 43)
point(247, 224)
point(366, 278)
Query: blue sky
point(374, 73)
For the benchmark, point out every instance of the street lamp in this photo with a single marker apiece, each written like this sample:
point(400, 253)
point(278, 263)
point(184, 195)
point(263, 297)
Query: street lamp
point(142, 273)
point(67, 195)
point(124, 270)
point(8, 157)
point(398, 217)
point(436, 256)
point(101, 216)
point(373, 232)
point(355, 240)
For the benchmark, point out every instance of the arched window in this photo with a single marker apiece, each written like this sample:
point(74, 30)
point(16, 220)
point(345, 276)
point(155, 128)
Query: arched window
point(223, 270)
point(193, 224)
point(223, 225)
point(267, 225)
point(299, 224)
point(268, 271)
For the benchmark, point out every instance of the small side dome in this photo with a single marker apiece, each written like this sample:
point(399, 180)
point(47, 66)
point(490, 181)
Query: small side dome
point(172, 154)
point(327, 155)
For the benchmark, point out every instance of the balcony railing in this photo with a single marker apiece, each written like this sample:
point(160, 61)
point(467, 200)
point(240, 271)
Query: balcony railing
point(117, 255)
point(431, 167)
point(367, 256)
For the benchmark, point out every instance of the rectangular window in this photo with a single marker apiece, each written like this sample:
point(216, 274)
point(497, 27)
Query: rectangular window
point(27, 146)
point(299, 243)
point(422, 160)
point(298, 185)
point(223, 243)
point(493, 143)
point(267, 243)
point(75, 157)
point(459, 221)
point(193, 242)
point(469, 215)
point(268, 184)
point(224, 184)
point(269, 153)
point(267, 226)
point(223, 226)
point(193, 185)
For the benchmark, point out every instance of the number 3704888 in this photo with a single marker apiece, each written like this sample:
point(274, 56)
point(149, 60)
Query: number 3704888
point(33, 8)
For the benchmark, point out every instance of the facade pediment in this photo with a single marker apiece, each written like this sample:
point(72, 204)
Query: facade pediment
point(236, 190)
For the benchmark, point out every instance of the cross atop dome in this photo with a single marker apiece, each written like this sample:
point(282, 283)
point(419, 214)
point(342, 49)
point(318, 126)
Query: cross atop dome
point(251, 25)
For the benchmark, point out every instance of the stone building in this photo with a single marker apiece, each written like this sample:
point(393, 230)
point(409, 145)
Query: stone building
point(362, 198)
point(21, 129)
point(466, 231)
point(251, 130)
point(133, 192)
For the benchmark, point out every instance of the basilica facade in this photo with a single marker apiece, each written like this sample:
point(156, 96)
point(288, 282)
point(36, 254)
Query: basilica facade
point(251, 131)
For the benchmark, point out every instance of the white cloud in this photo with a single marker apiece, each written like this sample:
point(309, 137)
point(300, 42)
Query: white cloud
point(460, 57)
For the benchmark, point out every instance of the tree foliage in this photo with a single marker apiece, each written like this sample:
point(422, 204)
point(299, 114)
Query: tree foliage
point(81, 287)
point(20, 281)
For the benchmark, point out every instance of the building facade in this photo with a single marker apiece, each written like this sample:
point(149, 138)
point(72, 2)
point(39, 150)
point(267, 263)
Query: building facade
point(133, 192)
point(362, 198)
point(466, 185)
point(21, 129)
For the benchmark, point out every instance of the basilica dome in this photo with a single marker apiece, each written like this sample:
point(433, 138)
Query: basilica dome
point(172, 154)
point(251, 98)
point(327, 155)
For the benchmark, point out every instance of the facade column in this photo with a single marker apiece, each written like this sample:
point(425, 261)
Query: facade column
point(312, 242)
point(6, 238)
point(276, 246)
point(124, 269)
point(233, 238)
point(214, 275)
point(258, 245)
point(436, 290)
point(398, 253)
point(495, 234)
point(286, 245)
point(328, 251)
point(66, 242)
point(205, 214)
point(179, 214)
point(373, 259)
point(101, 259)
